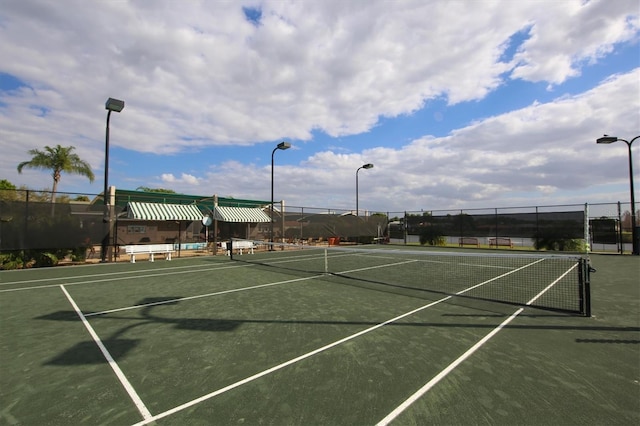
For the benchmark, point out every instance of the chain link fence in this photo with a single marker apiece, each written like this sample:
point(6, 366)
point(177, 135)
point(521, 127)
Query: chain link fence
point(76, 224)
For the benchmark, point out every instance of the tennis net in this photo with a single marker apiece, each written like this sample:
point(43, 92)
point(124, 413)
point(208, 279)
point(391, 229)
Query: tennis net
point(550, 281)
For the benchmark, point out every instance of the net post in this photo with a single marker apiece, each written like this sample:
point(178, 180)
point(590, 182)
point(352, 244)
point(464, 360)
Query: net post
point(585, 267)
point(585, 287)
point(230, 248)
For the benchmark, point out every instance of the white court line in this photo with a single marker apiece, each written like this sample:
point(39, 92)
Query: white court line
point(367, 268)
point(302, 357)
point(158, 274)
point(413, 398)
point(235, 290)
point(112, 363)
point(500, 276)
point(205, 267)
point(217, 293)
point(283, 365)
point(441, 262)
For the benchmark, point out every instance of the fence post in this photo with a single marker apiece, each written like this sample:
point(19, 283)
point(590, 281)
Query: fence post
point(405, 229)
point(621, 247)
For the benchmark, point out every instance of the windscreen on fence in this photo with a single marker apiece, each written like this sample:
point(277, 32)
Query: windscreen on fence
point(535, 225)
point(605, 231)
point(27, 225)
point(346, 226)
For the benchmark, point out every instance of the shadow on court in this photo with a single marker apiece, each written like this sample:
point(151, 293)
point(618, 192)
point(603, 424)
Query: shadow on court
point(88, 352)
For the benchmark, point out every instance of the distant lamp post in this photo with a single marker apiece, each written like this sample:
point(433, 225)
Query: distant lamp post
point(111, 106)
point(281, 146)
point(634, 232)
point(365, 166)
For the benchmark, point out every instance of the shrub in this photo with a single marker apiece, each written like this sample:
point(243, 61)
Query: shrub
point(45, 259)
point(431, 235)
point(22, 259)
point(559, 244)
point(11, 260)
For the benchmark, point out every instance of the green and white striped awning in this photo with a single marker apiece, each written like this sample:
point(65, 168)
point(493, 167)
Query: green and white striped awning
point(157, 211)
point(240, 214)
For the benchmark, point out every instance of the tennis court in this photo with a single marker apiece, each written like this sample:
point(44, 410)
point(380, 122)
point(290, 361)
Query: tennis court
point(310, 338)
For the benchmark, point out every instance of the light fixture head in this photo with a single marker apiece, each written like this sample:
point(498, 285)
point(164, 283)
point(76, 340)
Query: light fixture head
point(284, 145)
point(114, 105)
point(607, 139)
point(368, 166)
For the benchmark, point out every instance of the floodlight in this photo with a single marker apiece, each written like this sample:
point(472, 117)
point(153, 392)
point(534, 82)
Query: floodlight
point(635, 237)
point(114, 105)
point(111, 105)
point(607, 139)
point(282, 146)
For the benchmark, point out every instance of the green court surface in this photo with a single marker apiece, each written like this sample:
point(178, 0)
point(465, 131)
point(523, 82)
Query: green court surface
point(214, 341)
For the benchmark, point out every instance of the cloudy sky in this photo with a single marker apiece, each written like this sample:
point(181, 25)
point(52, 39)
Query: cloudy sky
point(458, 104)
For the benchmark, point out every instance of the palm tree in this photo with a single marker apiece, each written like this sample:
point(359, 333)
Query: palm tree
point(59, 159)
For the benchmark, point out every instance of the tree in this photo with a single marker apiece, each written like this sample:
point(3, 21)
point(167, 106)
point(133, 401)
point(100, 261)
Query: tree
point(7, 190)
point(59, 159)
point(159, 190)
point(5, 184)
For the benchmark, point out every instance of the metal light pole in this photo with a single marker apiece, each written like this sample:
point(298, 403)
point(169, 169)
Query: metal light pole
point(634, 232)
point(282, 146)
point(117, 106)
point(365, 166)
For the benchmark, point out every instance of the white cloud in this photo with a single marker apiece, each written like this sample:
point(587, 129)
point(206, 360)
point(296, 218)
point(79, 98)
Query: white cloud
point(535, 150)
point(198, 74)
point(168, 177)
point(205, 71)
point(185, 180)
point(583, 32)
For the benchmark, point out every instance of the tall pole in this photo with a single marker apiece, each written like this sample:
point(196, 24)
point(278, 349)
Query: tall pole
point(634, 232)
point(365, 166)
point(281, 146)
point(117, 106)
point(106, 218)
point(271, 205)
point(357, 210)
point(357, 207)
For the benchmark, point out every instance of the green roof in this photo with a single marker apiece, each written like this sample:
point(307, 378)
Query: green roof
point(124, 196)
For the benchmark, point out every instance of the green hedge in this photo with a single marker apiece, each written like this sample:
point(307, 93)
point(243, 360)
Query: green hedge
point(23, 259)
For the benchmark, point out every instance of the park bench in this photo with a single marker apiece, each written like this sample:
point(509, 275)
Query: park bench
point(468, 241)
point(150, 249)
point(500, 242)
point(240, 245)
